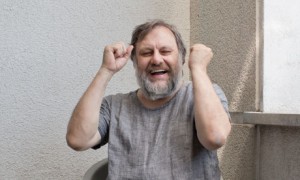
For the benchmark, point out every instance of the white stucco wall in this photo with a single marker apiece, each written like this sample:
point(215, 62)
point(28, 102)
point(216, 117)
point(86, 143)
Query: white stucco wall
point(281, 56)
point(49, 53)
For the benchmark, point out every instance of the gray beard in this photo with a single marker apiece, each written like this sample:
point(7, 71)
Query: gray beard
point(156, 91)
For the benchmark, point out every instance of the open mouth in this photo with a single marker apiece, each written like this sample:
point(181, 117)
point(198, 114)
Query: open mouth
point(158, 72)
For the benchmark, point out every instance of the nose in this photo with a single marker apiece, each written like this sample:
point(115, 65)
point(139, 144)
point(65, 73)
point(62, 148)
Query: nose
point(157, 58)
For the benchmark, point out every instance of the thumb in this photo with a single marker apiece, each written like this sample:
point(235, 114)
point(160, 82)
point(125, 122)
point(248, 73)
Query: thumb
point(128, 51)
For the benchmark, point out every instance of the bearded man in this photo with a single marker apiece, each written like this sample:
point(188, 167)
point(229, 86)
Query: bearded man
point(166, 129)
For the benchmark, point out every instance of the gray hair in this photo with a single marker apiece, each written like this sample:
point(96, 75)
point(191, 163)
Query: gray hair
point(142, 30)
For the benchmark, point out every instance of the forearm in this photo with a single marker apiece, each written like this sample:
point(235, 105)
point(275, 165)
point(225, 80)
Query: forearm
point(212, 122)
point(82, 130)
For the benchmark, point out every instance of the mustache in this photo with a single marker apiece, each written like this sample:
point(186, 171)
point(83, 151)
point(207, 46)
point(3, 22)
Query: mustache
point(151, 70)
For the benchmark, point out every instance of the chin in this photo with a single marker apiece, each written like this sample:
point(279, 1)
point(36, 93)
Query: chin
point(158, 90)
point(161, 84)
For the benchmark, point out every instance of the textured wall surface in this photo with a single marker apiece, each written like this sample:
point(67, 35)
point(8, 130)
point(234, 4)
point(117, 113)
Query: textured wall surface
point(49, 53)
point(229, 28)
point(280, 153)
point(237, 157)
point(282, 56)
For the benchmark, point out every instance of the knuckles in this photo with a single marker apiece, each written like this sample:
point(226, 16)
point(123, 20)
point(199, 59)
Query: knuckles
point(201, 47)
point(118, 47)
point(201, 50)
point(200, 55)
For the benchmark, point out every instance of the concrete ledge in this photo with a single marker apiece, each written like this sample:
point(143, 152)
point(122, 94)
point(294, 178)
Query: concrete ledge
point(259, 118)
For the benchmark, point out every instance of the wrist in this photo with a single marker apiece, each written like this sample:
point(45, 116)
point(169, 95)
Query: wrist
point(198, 71)
point(105, 71)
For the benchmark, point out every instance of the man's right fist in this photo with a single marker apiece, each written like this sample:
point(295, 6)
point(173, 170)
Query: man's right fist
point(115, 56)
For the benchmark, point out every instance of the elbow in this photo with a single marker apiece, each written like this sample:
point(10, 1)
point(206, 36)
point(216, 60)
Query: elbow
point(215, 140)
point(214, 143)
point(74, 144)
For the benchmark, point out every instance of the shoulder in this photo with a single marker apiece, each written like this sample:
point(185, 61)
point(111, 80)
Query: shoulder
point(187, 89)
point(219, 92)
point(217, 87)
point(119, 98)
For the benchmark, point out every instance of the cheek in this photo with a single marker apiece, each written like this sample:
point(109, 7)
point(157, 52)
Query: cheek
point(142, 64)
point(173, 63)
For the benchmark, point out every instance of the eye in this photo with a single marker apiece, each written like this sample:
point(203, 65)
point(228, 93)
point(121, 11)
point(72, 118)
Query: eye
point(146, 53)
point(165, 52)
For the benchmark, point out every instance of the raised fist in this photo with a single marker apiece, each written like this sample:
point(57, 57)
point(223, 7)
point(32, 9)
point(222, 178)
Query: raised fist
point(200, 56)
point(115, 56)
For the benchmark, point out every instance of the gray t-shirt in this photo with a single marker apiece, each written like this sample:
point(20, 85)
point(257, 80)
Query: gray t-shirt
point(156, 143)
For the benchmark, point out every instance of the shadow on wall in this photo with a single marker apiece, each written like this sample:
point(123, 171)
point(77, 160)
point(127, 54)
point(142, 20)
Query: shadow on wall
point(234, 69)
point(229, 28)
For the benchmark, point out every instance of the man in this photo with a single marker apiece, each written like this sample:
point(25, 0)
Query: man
point(167, 129)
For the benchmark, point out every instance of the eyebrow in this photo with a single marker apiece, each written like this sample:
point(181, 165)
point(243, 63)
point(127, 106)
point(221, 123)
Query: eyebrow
point(166, 47)
point(151, 48)
point(145, 48)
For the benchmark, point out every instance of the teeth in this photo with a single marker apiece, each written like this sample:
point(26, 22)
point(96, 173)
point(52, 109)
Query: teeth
point(158, 71)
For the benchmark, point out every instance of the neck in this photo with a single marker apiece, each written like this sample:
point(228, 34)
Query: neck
point(152, 104)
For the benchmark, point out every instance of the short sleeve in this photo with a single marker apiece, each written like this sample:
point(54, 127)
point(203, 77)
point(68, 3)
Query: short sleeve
point(104, 120)
point(222, 98)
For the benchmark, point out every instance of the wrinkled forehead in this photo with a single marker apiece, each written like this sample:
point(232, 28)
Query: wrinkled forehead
point(158, 37)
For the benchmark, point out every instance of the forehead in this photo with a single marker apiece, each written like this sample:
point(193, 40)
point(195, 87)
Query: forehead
point(158, 37)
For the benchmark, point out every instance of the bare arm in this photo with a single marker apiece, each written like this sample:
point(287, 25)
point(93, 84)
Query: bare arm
point(82, 132)
point(212, 122)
